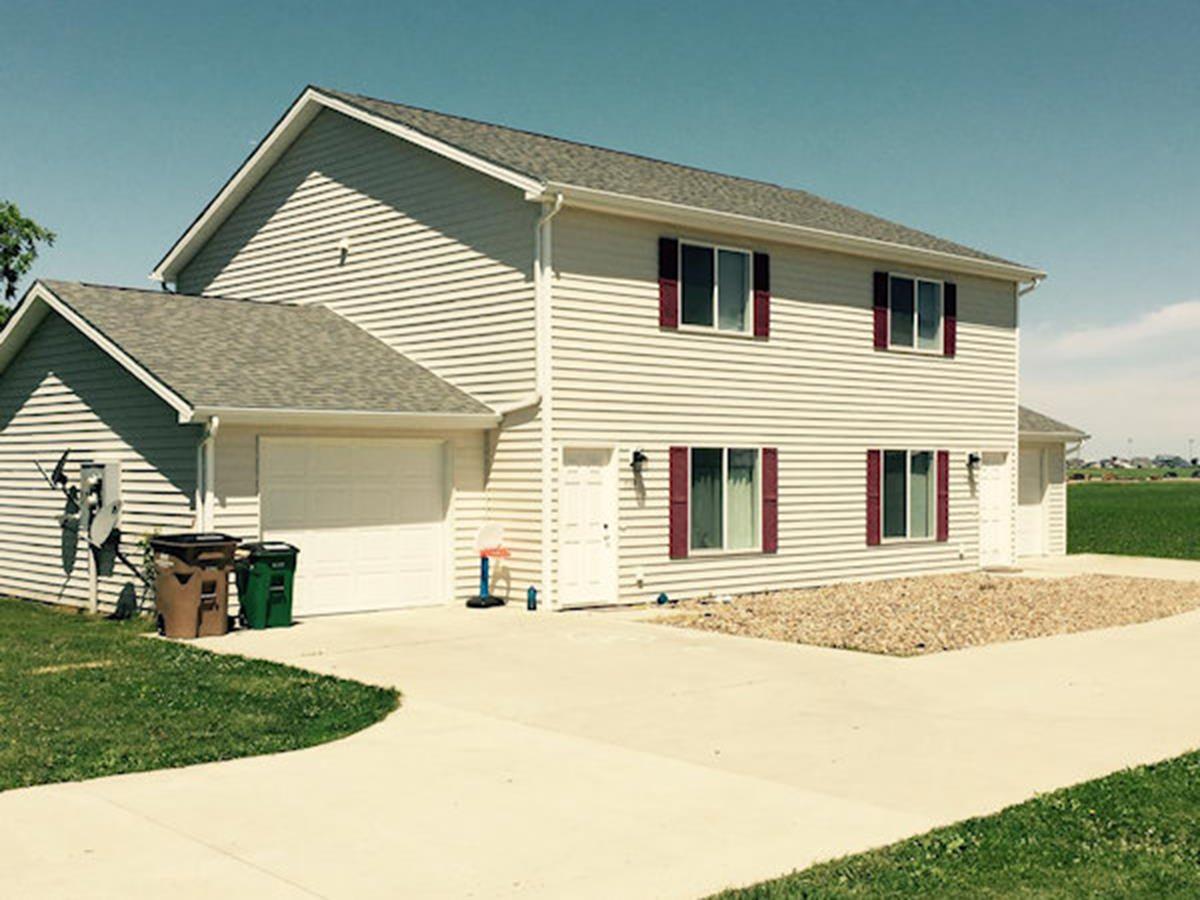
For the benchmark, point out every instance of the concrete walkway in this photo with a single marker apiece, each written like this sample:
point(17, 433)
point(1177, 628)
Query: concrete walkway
point(588, 755)
point(1106, 564)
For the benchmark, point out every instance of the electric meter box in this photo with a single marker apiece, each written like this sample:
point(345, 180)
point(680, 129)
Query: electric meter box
point(99, 499)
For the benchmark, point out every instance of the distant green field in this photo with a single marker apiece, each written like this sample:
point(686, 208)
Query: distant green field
point(1160, 518)
point(1137, 474)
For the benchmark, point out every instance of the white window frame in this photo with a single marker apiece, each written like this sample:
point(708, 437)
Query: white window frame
point(715, 249)
point(724, 550)
point(933, 493)
point(939, 347)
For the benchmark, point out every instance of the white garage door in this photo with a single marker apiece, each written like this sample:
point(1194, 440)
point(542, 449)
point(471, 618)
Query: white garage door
point(368, 516)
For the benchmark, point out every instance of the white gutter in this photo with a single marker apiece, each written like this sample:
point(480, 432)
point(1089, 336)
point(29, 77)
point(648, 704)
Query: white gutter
point(1031, 287)
point(345, 418)
point(765, 229)
point(543, 272)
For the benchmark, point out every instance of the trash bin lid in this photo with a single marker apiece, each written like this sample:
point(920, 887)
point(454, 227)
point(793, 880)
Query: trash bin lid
point(196, 547)
point(190, 539)
point(260, 549)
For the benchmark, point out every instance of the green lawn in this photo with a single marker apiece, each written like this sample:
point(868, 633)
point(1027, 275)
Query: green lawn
point(82, 696)
point(1132, 834)
point(1146, 519)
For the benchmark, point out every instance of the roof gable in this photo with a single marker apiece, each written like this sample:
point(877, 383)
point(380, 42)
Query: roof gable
point(215, 354)
point(541, 165)
point(1032, 422)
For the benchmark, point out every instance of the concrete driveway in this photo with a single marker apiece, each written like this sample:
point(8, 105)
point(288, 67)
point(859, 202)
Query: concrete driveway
point(590, 755)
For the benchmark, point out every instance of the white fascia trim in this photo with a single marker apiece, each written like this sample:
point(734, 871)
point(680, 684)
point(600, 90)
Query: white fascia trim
point(294, 121)
point(521, 404)
point(38, 299)
point(1052, 437)
point(347, 418)
point(765, 229)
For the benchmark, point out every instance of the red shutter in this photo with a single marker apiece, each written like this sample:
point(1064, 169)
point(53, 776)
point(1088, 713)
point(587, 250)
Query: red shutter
point(679, 502)
point(950, 318)
point(881, 310)
point(943, 495)
point(874, 465)
point(762, 295)
point(770, 500)
point(668, 282)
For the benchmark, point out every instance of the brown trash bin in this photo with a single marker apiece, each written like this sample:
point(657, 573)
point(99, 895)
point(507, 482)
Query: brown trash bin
point(192, 583)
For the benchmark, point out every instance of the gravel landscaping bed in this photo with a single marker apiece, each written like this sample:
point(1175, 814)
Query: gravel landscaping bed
point(911, 616)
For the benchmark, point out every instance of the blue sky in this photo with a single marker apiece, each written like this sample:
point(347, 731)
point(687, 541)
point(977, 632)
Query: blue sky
point(1064, 135)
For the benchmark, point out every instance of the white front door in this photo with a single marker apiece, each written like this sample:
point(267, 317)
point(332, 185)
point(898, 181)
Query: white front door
point(1031, 506)
point(367, 514)
point(995, 511)
point(587, 514)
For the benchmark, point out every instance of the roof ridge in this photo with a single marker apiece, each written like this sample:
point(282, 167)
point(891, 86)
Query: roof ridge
point(629, 154)
point(563, 140)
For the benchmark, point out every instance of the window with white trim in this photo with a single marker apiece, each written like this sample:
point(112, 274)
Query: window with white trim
point(715, 287)
point(909, 501)
point(915, 313)
point(725, 498)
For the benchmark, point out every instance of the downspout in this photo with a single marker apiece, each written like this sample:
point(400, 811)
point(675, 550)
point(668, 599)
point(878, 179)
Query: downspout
point(543, 271)
point(206, 475)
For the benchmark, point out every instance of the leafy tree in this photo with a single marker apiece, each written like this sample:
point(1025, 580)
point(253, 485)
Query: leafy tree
point(19, 239)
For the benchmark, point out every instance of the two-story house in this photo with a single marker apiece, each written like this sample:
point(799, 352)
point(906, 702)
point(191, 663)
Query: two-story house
point(392, 326)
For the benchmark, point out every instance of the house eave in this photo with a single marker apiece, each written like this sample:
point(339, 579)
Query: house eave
point(781, 232)
point(1052, 436)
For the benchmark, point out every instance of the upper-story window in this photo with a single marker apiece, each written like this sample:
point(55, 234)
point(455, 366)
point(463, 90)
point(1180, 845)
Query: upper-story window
point(715, 287)
point(915, 313)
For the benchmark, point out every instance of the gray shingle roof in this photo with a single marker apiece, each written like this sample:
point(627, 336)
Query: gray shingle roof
point(551, 159)
point(1033, 422)
point(217, 352)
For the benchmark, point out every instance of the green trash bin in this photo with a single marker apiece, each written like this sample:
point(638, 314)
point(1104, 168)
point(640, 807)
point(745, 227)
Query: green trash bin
point(266, 572)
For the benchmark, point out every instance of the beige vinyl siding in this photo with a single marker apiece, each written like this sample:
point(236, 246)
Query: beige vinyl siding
point(817, 390)
point(62, 391)
point(1056, 500)
point(439, 266)
point(237, 487)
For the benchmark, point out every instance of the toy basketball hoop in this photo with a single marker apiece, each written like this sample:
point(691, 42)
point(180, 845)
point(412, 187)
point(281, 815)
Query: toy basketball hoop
point(489, 544)
point(489, 541)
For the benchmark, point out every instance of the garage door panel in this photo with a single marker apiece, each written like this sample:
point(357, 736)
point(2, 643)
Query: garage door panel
point(368, 517)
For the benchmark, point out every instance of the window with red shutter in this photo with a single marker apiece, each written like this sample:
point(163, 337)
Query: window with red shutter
point(668, 282)
point(943, 495)
point(880, 310)
point(678, 486)
point(762, 295)
point(770, 500)
point(950, 319)
point(874, 464)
